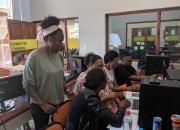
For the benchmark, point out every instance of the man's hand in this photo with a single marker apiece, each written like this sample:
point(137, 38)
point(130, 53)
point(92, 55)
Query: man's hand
point(47, 108)
point(124, 104)
point(113, 95)
point(133, 88)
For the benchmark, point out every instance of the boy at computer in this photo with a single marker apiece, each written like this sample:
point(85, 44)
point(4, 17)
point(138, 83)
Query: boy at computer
point(125, 72)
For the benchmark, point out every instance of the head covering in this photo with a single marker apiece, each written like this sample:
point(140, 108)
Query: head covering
point(50, 30)
point(39, 36)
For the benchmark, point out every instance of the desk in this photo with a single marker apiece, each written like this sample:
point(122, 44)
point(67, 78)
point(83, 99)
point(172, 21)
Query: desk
point(133, 114)
point(134, 123)
point(15, 118)
point(21, 114)
point(4, 72)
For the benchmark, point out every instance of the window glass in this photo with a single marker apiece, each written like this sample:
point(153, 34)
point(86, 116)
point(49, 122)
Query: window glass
point(170, 34)
point(135, 33)
point(5, 53)
point(73, 36)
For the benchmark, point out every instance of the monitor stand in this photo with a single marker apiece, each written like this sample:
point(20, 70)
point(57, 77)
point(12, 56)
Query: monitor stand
point(6, 105)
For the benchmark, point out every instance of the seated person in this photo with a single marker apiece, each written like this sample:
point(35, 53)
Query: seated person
point(87, 112)
point(111, 63)
point(108, 97)
point(91, 61)
point(125, 72)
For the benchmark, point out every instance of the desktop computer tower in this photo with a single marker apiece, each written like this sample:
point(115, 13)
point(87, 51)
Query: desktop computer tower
point(161, 99)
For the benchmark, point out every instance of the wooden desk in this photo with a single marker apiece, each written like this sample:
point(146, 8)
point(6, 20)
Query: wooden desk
point(15, 118)
point(4, 72)
point(21, 114)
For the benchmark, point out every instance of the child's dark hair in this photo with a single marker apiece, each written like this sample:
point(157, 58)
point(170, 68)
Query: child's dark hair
point(94, 78)
point(110, 56)
point(91, 58)
point(87, 57)
point(50, 21)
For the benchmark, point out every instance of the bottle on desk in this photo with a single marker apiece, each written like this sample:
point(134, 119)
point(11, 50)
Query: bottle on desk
point(157, 123)
point(175, 122)
point(127, 122)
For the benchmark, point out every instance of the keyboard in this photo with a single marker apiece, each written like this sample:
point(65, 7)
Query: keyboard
point(135, 94)
point(135, 105)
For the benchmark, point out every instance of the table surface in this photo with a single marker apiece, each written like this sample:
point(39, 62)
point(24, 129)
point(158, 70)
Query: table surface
point(20, 107)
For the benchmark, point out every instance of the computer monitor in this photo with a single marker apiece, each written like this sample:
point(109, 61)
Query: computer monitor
point(10, 87)
point(161, 100)
point(77, 64)
point(124, 51)
point(156, 64)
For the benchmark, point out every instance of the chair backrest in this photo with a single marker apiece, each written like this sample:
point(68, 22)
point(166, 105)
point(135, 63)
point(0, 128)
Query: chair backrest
point(61, 114)
point(54, 126)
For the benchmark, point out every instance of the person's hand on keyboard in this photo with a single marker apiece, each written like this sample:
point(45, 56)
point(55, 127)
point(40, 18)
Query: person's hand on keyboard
point(124, 104)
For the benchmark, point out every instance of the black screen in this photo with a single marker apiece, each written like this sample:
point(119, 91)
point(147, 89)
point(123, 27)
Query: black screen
point(77, 64)
point(11, 87)
point(156, 64)
point(161, 100)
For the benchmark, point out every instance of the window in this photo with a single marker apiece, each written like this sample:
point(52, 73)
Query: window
point(5, 4)
point(73, 36)
point(143, 32)
point(5, 12)
point(71, 33)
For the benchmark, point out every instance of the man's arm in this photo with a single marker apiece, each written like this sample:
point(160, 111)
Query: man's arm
point(103, 113)
point(136, 77)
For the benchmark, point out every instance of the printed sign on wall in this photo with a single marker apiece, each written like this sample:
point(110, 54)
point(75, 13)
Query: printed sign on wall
point(20, 50)
point(25, 44)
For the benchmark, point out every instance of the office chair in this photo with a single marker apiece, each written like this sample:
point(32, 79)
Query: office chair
point(61, 114)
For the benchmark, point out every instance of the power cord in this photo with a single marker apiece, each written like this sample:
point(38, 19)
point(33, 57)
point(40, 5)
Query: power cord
point(9, 102)
point(1, 118)
point(6, 106)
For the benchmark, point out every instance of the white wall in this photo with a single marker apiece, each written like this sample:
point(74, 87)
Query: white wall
point(91, 15)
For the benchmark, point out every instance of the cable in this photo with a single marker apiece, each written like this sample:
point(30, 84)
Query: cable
point(2, 121)
point(9, 102)
point(6, 106)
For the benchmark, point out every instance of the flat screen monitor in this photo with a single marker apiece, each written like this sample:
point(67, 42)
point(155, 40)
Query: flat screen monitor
point(11, 87)
point(160, 100)
point(77, 64)
point(156, 64)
